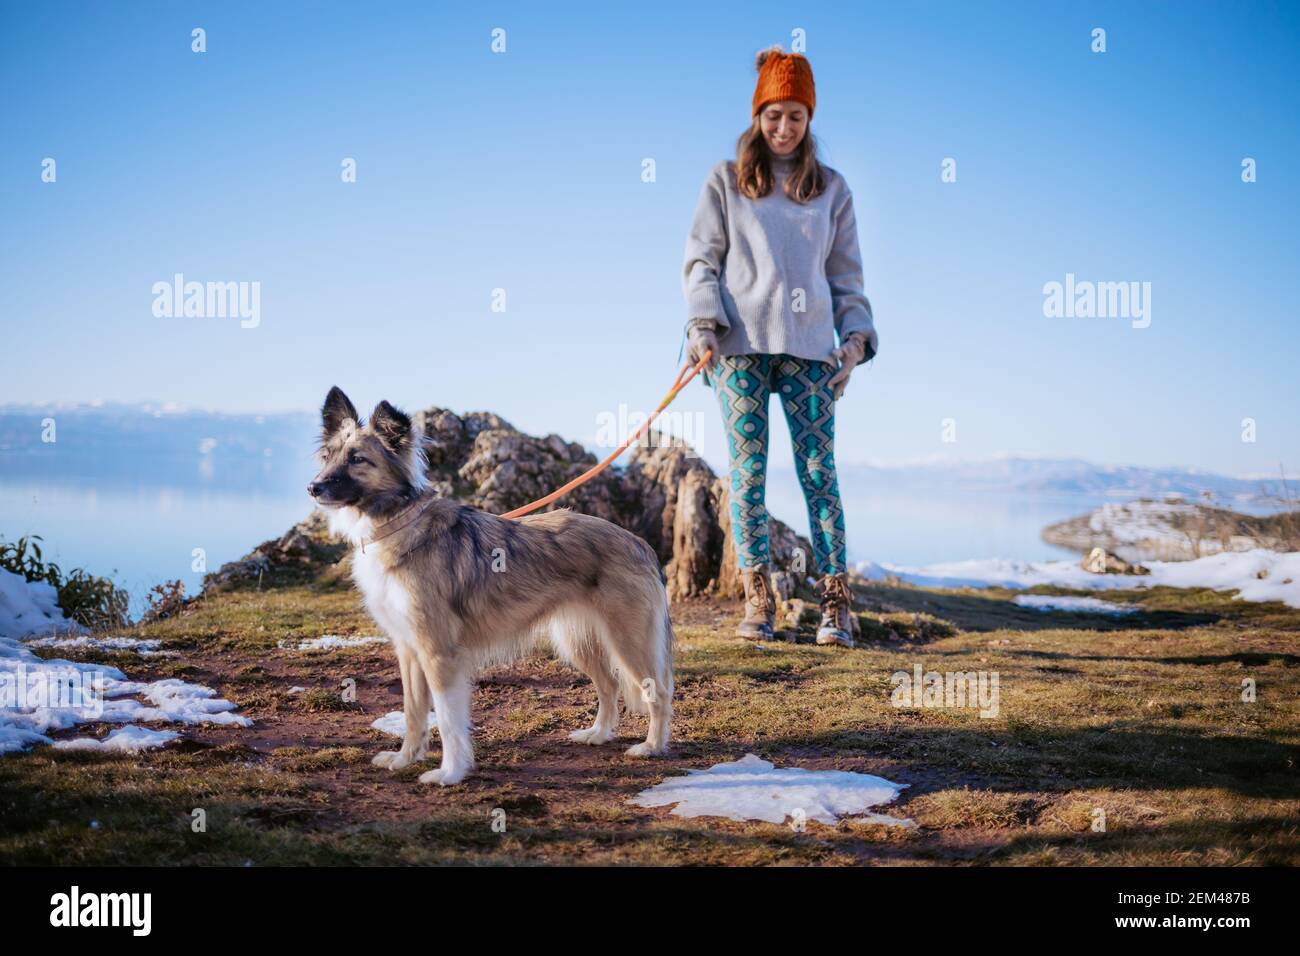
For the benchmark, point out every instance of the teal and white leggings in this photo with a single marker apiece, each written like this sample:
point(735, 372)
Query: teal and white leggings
point(743, 384)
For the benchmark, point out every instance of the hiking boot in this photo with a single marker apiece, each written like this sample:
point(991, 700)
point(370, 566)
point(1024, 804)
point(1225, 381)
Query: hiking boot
point(837, 609)
point(760, 605)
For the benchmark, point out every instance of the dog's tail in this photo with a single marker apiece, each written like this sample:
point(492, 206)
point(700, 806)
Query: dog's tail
point(637, 695)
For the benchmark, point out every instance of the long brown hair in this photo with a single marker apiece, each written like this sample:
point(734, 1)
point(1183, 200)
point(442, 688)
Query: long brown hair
point(754, 167)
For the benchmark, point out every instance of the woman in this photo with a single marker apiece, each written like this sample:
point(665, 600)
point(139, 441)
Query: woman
point(772, 276)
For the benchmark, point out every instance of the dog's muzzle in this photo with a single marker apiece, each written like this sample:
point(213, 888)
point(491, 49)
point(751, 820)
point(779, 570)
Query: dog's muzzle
point(321, 490)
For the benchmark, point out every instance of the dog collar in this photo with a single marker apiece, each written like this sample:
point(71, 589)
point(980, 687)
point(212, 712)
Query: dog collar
point(396, 523)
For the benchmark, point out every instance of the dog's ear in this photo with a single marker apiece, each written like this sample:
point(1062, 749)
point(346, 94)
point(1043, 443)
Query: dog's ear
point(392, 425)
point(338, 408)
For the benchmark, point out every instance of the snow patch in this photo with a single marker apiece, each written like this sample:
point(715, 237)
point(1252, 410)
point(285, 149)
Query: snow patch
point(174, 700)
point(754, 789)
point(1240, 571)
point(130, 739)
point(331, 642)
point(31, 608)
point(393, 723)
point(1087, 605)
point(35, 699)
point(145, 648)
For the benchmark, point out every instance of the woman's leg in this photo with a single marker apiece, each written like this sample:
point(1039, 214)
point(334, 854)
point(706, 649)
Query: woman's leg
point(741, 384)
point(810, 412)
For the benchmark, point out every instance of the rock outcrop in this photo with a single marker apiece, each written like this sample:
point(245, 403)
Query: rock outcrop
point(1101, 561)
point(1172, 530)
point(300, 553)
point(661, 490)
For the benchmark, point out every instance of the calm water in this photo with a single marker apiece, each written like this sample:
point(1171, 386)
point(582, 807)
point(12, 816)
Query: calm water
point(922, 527)
point(142, 520)
point(142, 524)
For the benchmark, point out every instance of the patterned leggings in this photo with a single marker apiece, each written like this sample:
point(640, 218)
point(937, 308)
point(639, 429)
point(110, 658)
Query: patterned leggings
point(743, 384)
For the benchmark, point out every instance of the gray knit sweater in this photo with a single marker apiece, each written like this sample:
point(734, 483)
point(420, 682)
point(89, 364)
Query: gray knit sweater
point(773, 275)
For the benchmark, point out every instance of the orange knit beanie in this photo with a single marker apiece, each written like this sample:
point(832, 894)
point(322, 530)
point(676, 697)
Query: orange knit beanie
point(783, 76)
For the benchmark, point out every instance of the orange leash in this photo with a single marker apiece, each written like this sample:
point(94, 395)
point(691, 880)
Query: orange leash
point(682, 379)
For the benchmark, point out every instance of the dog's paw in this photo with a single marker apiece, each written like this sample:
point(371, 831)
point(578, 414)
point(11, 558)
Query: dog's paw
point(443, 777)
point(391, 760)
point(592, 735)
point(644, 749)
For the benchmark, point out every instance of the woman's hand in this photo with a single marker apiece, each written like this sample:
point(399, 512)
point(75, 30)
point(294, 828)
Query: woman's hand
point(700, 338)
point(851, 352)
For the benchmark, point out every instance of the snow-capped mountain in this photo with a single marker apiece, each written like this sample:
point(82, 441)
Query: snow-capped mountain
point(109, 431)
point(1032, 475)
point(118, 429)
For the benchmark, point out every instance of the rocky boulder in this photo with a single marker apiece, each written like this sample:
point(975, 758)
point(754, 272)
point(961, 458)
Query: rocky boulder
point(660, 490)
point(300, 553)
point(1101, 561)
point(1173, 530)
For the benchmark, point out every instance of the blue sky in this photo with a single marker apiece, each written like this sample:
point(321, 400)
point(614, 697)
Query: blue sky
point(522, 171)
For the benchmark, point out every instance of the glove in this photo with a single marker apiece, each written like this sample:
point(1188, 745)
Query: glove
point(850, 353)
point(702, 337)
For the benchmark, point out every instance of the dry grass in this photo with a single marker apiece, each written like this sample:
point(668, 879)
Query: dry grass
point(1116, 742)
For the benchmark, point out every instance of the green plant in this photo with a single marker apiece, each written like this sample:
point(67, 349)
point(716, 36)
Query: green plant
point(165, 600)
point(88, 599)
point(24, 557)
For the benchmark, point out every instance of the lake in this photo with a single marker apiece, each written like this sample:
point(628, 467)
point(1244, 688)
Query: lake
point(141, 518)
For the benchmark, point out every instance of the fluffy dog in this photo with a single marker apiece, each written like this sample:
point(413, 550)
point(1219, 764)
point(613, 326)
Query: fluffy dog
point(455, 589)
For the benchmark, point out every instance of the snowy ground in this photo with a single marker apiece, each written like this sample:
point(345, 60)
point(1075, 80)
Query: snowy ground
point(142, 647)
point(1087, 605)
point(124, 739)
point(754, 789)
point(1258, 575)
point(393, 723)
point(39, 697)
point(330, 642)
point(30, 609)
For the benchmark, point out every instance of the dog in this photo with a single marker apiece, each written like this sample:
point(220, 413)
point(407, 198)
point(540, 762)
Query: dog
point(455, 589)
